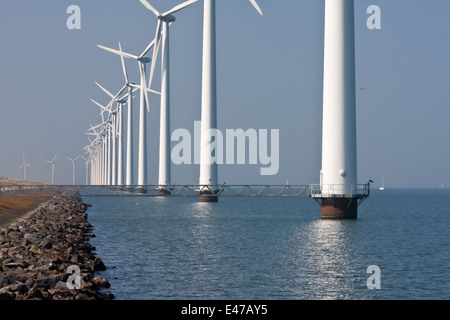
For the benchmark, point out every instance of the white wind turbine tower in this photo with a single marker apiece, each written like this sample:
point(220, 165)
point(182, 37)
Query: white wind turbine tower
point(339, 157)
point(144, 104)
point(129, 156)
point(208, 168)
point(73, 168)
point(52, 162)
point(24, 165)
point(164, 21)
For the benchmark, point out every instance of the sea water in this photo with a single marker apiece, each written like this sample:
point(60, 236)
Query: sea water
point(274, 248)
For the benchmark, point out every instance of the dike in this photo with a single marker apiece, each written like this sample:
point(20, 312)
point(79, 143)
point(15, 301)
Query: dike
point(46, 255)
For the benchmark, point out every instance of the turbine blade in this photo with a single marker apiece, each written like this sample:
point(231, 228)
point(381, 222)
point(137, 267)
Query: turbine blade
point(150, 7)
point(253, 2)
point(115, 97)
point(54, 157)
point(104, 90)
point(148, 48)
point(179, 7)
point(155, 52)
point(123, 65)
point(102, 107)
point(144, 85)
point(93, 128)
point(153, 91)
point(120, 53)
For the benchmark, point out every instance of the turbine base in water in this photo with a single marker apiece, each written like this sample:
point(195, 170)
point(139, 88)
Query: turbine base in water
point(339, 208)
point(142, 190)
point(164, 192)
point(208, 196)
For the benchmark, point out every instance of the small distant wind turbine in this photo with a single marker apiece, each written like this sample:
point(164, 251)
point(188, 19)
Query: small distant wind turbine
point(24, 166)
point(53, 168)
point(73, 168)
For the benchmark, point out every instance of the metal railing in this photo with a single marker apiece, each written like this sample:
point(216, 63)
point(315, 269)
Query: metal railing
point(340, 190)
point(313, 190)
point(156, 190)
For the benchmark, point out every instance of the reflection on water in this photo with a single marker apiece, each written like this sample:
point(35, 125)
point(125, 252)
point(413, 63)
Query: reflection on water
point(329, 259)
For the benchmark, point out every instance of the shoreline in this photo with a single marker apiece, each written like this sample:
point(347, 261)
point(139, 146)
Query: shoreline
point(38, 249)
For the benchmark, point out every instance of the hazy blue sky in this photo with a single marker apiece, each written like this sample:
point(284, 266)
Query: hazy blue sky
point(269, 77)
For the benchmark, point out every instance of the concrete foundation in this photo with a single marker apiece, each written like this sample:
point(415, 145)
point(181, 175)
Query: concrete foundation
point(339, 208)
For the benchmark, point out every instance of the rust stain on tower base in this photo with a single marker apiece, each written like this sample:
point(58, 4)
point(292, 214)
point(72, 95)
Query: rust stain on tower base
point(343, 208)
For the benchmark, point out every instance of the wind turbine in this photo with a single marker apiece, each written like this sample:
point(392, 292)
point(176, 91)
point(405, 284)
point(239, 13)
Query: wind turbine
point(129, 154)
point(144, 104)
point(53, 168)
point(24, 166)
point(164, 21)
point(208, 168)
point(73, 168)
point(339, 156)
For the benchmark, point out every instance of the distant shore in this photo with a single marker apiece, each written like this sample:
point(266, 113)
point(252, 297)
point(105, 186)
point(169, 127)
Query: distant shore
point(16, 182)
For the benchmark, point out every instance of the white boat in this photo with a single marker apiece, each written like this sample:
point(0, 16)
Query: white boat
point(382, 182)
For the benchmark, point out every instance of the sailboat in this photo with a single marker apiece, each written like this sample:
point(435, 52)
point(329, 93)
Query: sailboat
point(382, 182)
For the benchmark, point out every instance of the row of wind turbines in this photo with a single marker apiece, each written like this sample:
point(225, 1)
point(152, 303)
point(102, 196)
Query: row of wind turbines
point(110, 163)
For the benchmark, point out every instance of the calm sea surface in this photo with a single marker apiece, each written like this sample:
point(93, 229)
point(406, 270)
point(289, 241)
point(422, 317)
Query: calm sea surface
point(273, 248)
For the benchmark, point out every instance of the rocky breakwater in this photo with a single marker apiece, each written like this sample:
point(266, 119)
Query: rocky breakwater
point(46, 255)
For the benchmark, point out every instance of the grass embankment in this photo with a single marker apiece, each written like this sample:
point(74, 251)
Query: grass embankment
point(12, 208)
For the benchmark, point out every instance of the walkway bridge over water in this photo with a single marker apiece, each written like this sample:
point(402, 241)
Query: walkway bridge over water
point(318, 192)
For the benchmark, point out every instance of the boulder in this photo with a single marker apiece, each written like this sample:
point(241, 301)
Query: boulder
point(100, 282)
point(98, 265)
